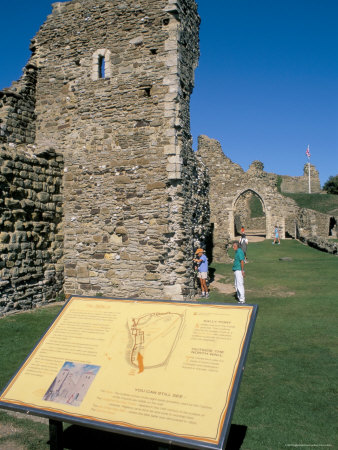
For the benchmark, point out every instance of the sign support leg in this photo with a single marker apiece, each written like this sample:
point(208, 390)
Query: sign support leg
point(55, 435)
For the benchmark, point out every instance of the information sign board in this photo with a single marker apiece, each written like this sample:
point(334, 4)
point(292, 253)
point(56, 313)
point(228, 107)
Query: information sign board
point(167, 371)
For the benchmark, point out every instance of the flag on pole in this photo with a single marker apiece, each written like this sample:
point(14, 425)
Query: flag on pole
point(308, 151)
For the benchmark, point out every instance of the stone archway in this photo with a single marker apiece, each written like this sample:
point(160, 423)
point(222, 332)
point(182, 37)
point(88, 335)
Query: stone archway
point(241, 213)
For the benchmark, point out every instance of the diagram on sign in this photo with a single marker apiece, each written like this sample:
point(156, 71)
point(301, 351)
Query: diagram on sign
point(153, 339)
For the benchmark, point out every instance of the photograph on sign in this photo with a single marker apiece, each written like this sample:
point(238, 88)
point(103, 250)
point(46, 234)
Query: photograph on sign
point(170, 369)
point(71, 383)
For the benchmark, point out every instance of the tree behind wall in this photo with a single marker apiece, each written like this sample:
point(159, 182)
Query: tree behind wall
point(331, 185)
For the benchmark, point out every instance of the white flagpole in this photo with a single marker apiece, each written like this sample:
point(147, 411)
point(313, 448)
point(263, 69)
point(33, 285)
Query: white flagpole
point(309, 178)
point(308, 156)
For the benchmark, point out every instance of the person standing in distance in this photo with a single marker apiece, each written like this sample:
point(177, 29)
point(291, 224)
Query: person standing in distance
point(202, 262)
point(238, 269)
point(276, 232)
point(243, 244)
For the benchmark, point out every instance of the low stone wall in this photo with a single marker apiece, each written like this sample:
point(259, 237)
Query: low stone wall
point(320, 244)
point(31, 237)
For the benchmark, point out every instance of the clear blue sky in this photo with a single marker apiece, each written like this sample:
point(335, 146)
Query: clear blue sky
point(266, 85)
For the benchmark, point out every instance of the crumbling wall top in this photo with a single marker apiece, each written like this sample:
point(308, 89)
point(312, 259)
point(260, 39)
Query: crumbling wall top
point(256, 166)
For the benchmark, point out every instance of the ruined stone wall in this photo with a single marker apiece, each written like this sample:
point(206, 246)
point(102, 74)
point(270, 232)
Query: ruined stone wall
point(256, 224)
point(17, 109)
point(131, 183)
point(301, 184)
point(193, 180)
point(210, 152)
point(230, 192)
point(229, 187)
point(312, 223)
point(31, 270)
point(312, 228)
point(318, 243)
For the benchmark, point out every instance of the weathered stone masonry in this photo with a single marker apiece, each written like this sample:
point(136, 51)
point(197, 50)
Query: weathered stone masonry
point(31, 227)
point(112, 96)
point(301, 184)
point(31, 237)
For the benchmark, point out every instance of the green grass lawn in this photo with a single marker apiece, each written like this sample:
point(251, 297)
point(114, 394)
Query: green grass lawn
point(288, 392)
point(324, 203)
point(18, 335)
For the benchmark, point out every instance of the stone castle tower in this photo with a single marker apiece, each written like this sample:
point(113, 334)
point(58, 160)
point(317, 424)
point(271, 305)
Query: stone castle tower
point(111, 88)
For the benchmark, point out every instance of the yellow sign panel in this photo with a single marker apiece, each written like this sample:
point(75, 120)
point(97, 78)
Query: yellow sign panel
point(163, 367)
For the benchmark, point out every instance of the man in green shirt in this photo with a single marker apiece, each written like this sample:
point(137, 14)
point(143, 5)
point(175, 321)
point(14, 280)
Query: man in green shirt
point(238, 269)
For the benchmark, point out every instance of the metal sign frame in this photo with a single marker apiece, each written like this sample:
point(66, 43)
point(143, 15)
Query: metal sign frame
point(139, 432)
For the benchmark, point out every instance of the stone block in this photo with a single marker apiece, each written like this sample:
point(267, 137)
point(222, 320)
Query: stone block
point(70, 273)
point(4, 237)
point(115, 239)
point(121, 230)
point(11, 203)
point(173, 292)
point(43, 197)
point(152, 277)
point(156, 185)
point(122, 179)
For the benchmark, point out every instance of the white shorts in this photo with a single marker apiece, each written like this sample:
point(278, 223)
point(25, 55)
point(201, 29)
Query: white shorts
point(203, 275)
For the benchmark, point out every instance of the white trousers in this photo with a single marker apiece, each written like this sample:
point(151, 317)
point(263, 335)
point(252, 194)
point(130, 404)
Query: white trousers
point(239, 285)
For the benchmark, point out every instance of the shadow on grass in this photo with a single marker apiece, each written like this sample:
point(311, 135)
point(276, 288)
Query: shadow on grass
point(76, 437)
point(211, 274)
point(236, 437)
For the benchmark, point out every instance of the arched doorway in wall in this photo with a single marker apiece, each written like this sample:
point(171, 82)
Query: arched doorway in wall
point(333, 227)
point(249, 212)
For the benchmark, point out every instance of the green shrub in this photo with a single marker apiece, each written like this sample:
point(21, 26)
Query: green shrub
point(331, 185)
